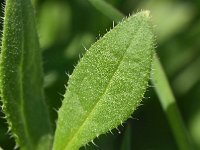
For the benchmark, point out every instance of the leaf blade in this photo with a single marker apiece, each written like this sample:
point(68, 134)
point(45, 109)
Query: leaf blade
point(21, 77)
point(104, 83)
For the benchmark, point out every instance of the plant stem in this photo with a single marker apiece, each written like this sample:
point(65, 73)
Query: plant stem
point(126, 141)
point(107, 9)
point(161, 84)
point(169, 106)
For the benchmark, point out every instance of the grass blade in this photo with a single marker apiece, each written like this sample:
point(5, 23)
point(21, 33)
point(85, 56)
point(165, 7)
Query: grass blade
point(21, 78)
point(104, 88)
point(173, 115)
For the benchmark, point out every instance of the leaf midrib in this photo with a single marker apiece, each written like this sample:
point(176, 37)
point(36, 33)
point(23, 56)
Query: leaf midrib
point(22, 103)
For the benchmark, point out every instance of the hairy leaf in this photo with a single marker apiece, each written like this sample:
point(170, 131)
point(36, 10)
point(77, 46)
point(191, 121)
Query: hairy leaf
point(21, 78)
point(108, 84)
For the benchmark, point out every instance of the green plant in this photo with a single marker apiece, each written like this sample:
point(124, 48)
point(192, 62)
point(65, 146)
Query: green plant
point(21, 77)
point(106, 86)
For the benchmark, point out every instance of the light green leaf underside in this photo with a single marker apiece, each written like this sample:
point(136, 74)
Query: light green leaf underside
point(108, 83)
point(21, 78)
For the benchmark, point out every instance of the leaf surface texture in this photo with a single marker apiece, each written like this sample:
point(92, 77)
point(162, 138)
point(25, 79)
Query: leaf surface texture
point(108, 83)
point(21, 78)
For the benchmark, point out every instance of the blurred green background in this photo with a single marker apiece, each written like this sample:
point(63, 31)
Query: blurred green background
point(67, 27)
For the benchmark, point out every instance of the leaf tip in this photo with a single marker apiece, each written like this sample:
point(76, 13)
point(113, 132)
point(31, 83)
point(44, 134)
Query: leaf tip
point(146, 13)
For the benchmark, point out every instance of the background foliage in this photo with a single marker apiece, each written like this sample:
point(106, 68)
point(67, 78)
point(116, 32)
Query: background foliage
point(67, 26)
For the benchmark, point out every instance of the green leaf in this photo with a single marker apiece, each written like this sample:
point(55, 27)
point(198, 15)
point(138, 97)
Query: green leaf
point(108, 84)
point(162, 89)
point(21, 78)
